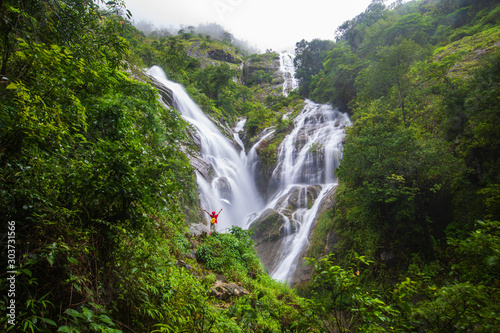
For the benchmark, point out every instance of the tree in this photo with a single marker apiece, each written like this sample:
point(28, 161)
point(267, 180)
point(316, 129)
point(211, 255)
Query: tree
point(309, 57)
point(390, 173)
point(354, 31)
point(391, 72)
point(410, 27)
point(213, 79)
point(335, 83)
point(86, 153)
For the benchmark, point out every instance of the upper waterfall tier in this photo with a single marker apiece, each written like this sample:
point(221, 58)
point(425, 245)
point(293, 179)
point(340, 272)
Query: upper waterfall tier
point(287, 67)
point(312, 151)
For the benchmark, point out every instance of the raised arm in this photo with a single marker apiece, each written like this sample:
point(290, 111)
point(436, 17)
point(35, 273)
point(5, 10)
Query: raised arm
point(219, 211)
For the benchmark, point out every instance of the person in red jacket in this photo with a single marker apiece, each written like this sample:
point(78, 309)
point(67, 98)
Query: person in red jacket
point(213, 219)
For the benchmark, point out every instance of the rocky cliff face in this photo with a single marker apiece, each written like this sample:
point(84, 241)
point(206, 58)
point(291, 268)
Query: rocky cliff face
point(269, 63)
point(213, 53)
point(205, 169)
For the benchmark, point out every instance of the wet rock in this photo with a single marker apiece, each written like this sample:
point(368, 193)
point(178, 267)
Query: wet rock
point(303, 273)
point(165, 93)
point(301, 140)
point(328, 201)
point(267, 226)
point(268, 236)
point(195, 138)
point(303, 197)
point(269, 253)
point(204, 168)
point(224, 187)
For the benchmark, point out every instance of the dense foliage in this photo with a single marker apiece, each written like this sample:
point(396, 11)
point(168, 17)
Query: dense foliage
point(418, 192)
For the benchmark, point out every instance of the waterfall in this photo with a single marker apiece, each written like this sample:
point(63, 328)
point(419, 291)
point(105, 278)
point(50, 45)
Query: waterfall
point(306, 161)
point(303, 177)
point(307, 158)
point(230, 185)
point(288, 69)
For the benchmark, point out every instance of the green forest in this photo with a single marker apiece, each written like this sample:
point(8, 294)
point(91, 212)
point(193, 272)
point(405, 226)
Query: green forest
point(97, 193)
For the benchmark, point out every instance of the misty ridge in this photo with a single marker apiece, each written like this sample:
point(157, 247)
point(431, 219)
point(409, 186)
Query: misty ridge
point(212, 30)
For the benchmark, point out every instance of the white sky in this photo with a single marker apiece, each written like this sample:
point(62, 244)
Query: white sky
point(273, 24)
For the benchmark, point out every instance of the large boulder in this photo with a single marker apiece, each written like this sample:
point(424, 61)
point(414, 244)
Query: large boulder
point(267, 236)
point(267, 226)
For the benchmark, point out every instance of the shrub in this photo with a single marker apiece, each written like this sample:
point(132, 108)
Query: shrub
point(231, 254)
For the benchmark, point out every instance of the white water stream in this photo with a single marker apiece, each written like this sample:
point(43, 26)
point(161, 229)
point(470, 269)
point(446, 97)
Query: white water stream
point(288, 69)
point(306, 159)
point(231, 187)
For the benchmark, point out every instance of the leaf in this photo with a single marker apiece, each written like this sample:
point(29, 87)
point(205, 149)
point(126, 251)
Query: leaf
point(12, 85)
point(49, 321)
point(27, 272)
point(50, 258)
point(73, 313)
point(73, 260)
point(106, 319)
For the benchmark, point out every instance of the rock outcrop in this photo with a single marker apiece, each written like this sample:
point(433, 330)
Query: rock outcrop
point(224, 188)
point(269, 227)
point(213, 53)
point(220, 55)
point(165, 93)
point(225, 290)
point(268, 63)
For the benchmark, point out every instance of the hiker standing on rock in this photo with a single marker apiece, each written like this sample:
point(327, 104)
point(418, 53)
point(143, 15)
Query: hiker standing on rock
point(213, 219)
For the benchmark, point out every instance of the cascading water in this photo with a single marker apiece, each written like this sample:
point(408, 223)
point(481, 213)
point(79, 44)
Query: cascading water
point(230, 186)
point(307, 158)
point(304, 174)
point(288, 69)
point(303, 177)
